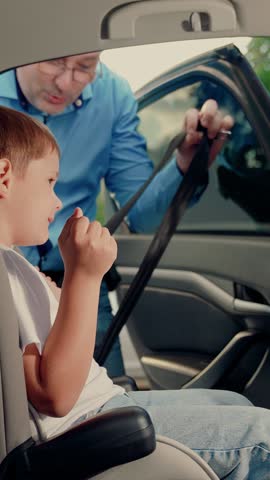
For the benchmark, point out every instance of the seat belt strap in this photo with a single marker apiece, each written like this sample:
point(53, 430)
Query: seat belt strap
point(195, 176)
point(112, 277)
point(119, 216)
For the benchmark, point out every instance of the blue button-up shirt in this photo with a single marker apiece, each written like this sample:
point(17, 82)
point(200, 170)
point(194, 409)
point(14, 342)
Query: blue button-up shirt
point(99, 139)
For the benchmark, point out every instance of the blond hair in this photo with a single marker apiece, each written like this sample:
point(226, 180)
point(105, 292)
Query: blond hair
point(23, 139)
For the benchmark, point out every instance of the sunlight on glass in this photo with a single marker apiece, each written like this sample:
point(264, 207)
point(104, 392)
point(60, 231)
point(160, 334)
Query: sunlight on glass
point(143, 63)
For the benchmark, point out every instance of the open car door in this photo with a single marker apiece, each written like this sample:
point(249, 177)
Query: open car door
point(212, 283)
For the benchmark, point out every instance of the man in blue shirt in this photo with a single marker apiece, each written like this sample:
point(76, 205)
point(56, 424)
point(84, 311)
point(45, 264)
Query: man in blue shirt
point(93, 115)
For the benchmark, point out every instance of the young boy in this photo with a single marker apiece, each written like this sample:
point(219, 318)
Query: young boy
point(64, 383)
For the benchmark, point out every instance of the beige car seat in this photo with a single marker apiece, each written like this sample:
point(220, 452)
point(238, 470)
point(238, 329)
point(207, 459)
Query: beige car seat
point(98, 449)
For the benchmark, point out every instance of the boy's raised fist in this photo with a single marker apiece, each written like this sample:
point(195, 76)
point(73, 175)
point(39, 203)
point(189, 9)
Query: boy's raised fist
point(86, 246)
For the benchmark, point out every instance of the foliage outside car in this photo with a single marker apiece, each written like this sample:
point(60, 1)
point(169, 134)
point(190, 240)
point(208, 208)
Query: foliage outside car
point(258, 55)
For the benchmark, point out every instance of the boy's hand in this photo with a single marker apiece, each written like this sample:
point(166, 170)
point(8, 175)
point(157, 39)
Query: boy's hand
point(86, 246)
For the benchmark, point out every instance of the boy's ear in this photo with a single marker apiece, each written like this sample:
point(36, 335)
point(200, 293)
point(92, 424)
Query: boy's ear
point(5, 176)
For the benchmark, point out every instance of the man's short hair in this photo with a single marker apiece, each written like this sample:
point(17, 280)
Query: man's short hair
point(23, 139)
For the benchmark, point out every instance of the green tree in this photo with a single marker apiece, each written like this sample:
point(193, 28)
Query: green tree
point(258, 54)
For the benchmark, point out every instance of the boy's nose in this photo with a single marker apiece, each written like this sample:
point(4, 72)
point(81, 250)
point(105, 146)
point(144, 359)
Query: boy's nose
point(59, 204)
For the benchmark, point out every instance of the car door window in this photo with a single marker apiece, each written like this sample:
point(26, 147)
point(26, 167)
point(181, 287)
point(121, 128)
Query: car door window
point(237, 197)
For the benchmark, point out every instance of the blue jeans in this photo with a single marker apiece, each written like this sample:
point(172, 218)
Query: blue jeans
point(230, 434)
point(114, 362)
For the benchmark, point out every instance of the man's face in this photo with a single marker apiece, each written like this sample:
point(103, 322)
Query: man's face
point(53, 93)
point(33, 202)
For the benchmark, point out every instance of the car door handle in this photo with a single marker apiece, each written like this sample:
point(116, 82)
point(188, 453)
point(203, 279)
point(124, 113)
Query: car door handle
point(250, 308)
point(121, 22)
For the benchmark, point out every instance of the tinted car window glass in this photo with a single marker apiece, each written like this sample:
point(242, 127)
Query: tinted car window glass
point(238, 195)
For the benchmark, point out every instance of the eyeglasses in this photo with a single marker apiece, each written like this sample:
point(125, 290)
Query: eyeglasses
point(54, 68)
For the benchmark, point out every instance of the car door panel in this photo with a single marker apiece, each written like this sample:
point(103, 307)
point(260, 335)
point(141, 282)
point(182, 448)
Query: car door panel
point(187, 313)
point(236, 258)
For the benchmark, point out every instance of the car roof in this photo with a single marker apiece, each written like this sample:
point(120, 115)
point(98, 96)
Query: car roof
point(35, 30)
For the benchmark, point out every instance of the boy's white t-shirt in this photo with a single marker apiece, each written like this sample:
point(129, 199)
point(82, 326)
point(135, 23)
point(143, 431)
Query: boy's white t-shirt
point(36, 308)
